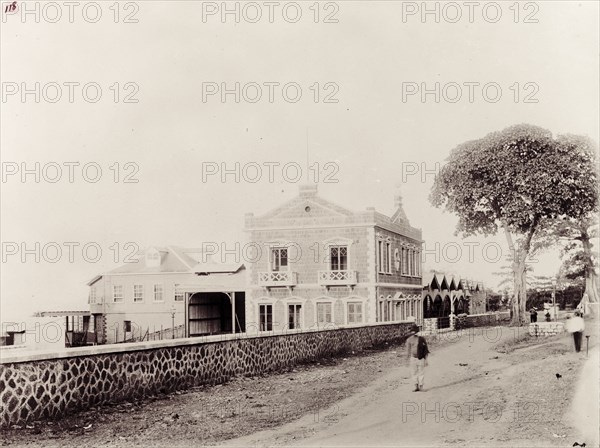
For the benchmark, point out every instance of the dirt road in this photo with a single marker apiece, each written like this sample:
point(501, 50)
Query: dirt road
point(474, 396)
point(484, 387)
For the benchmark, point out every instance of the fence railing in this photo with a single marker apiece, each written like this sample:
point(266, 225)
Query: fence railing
point(166, 333)
point(443, 322)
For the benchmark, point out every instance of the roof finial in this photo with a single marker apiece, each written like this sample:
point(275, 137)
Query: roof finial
point(398, 196)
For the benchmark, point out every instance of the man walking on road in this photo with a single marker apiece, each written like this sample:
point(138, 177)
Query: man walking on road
point(416, 356)
point(576, 325)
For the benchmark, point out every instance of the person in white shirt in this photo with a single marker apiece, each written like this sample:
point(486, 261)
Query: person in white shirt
point(576, 325)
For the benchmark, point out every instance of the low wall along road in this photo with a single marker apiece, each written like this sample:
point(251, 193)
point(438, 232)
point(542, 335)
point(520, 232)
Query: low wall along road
point(37, 386)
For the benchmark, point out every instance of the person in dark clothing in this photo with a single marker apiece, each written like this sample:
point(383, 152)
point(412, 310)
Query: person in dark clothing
point(416, 356)
point(533, 314)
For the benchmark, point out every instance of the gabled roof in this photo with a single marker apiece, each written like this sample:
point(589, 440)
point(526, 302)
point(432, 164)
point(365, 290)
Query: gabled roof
point(435, 284)
point(441, 279)
point(308, 197)
point(173, 259)
point(452, 286)
point(399, 216)
point(217, 268)
point(94, 280)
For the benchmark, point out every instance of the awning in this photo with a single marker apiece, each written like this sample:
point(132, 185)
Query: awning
point(215, 283)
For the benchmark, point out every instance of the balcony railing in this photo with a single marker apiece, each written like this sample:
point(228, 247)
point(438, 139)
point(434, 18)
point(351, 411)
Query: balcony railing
point(277, 278)
point(335, 278)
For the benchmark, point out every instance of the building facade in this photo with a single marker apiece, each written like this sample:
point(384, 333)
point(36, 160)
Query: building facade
point(141, 297)
point(447, 295)
point(316, 264)
point(310, 264)
point(167, 292)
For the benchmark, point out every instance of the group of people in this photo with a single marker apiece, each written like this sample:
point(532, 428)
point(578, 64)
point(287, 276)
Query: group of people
point(533, 315)
point(417, 350)
point(574, 324)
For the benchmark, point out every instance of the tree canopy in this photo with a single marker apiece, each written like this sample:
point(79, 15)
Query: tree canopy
point(519, 180)
point(515, 178)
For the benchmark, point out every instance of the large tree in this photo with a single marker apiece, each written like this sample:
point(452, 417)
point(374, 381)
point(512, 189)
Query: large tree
point(576, 235)
point(515, 181)
point(578, 257)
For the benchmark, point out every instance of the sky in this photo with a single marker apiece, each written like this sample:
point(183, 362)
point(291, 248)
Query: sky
point(142, 101)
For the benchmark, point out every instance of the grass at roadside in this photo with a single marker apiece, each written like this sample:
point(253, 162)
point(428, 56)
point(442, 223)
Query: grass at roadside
point(521, 339)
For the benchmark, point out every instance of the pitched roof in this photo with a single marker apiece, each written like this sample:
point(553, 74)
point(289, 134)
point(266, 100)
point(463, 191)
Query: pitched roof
point(216, 282)
point(308, 195)
point(172, 259)
point(217, 268)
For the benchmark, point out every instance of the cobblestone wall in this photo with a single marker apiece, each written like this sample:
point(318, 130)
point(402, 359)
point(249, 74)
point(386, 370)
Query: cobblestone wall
point(546, 328)
point(458, 322)
point(50, 388)
point(481, 320)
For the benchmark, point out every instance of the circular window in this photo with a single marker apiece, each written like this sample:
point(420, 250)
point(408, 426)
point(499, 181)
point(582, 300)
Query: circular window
point(307, 209)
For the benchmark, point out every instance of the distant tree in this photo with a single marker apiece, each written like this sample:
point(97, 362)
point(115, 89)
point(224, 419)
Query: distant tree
point(579, 268)
point(494, 302)
point(506, 275)
point(514, 181)
point(579, 262)
point(575, 235)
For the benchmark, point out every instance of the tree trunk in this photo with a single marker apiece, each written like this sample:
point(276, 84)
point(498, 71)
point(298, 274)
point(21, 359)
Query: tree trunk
point(591, 279)
point(519, 267)
point(520, 289)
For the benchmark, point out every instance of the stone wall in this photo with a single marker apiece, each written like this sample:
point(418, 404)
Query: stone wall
point(429, 326)
point(546, 328)
point(458, 322)
point(482, 320)
point(40, 386)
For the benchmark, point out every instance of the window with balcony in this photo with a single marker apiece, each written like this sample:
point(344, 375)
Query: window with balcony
point(138, 293)
point(158, 293)
point(338, 258)
point(279, 259)
point(324, 315)
point(355, 315)
point(294, 320)
point(117, 293)
point(265, 313)
point(338, 273)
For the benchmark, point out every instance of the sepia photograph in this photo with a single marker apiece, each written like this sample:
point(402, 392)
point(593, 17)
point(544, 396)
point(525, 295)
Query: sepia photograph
point(310, 223)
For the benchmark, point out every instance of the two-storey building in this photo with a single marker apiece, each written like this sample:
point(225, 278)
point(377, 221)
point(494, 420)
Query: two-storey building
point(316, 263)
point(168, 292)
